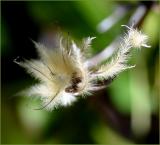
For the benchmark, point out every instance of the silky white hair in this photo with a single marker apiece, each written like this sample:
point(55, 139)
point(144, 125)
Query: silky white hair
point(63, 73)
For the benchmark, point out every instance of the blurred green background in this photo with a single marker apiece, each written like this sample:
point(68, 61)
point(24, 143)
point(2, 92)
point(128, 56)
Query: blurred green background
point(131, 101)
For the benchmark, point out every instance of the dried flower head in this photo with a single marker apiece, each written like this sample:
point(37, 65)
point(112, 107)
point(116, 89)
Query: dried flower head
point(63, 73)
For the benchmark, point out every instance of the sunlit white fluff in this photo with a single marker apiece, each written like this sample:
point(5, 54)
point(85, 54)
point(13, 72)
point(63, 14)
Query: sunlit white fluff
point(117, 64)
point(133, 39)
point(136, 38)
point(63, 72)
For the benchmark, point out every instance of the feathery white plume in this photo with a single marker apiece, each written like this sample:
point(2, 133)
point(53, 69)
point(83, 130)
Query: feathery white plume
point(133, 39)
point(63, 73)
point(136, 38)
